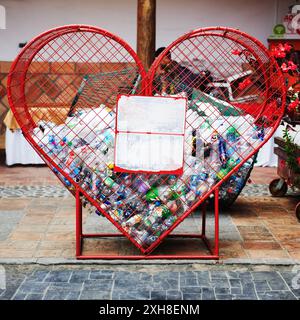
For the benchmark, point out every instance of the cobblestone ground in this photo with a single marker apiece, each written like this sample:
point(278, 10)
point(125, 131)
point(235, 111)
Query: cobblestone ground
point(58, 191)
point(185, 282)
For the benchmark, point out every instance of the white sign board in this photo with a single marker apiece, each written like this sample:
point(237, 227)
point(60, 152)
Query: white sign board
point(150, 134)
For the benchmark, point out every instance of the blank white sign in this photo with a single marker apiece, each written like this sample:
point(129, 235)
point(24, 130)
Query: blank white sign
point(150, 133)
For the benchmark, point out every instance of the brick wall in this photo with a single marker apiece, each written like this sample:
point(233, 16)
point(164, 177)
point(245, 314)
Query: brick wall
point(4, 69)
point(56, 83)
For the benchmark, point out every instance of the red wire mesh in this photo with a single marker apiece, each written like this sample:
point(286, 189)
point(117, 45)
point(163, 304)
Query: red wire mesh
point(63, 89)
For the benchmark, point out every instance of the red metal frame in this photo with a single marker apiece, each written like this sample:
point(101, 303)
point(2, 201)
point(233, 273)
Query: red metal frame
point(213, 250)
point(18, 101)
point(178, 171)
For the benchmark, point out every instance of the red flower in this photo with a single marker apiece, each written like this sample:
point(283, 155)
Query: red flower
point(298, 160)
point(292, 66)
point(278, 53)
point(245, 83)
point(236, 52)
point(281, 47)
point(284, 67)
point(293, 105)
point(287, 47)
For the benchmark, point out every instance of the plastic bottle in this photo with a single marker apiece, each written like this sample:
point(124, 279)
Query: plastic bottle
point(150, 239)
point(109, 182)
point(213, 162)
point(141, 186)
point(199, 147)
point(202, 189)
point(133, 220)
point(224, 171)
point(141, 236)
point(222, 151)
point(158, 193)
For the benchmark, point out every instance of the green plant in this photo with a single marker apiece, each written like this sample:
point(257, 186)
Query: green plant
point(290, 149)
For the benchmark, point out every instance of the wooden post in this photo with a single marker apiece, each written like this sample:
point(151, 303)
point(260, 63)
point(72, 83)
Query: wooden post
point(146, 31)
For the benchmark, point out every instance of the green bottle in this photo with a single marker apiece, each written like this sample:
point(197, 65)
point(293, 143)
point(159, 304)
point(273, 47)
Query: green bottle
point(152, 194)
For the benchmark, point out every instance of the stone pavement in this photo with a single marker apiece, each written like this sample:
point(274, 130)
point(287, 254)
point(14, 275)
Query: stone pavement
point(259, 248)
point(189, 282)
point(255, 229)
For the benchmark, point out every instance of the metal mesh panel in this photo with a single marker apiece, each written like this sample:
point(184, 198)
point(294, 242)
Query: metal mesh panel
point(63, 89)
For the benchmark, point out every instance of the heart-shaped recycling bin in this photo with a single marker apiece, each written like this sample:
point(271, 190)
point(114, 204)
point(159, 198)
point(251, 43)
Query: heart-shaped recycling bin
point(63, 89)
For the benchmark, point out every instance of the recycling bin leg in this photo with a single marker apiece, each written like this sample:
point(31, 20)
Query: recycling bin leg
point(216, 222)
point(212, 248)
point(78, 224)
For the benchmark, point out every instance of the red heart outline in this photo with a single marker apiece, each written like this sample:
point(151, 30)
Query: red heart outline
point(17, 98)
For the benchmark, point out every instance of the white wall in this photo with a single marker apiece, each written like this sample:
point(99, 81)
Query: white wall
point(256, 17)
point(27, 18)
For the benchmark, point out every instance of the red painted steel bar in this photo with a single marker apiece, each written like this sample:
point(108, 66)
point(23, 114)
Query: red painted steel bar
point(80, 236)
point(216, 251)
point(203, 218)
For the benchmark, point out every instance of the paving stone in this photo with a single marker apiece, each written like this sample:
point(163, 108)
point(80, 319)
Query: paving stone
point(220, 283)
point(125, 284)
point(124, 275)
point(170, 276)
point(186, 282)
point(72, 286)
point(158, 295)
point(94, 295)
point(277, 284)
point(261, 285)
point(208, 294)
point(246, 285)
point(34, 296)
point(104, 274)
point(134, 295)
point(19, 296)
point(202, 274)
point(33, 287)
point(265, 275)
point(232, 274)
point(218, 275)
point(145, 277)
point(58, 276)
point(105, 285)
point(57, 191)
point(236, 291)
point(191, 296)
point(222, 291)
point(145, 285)
point(223, 297)
point(288, 277)
point(50, 191)
point(38, 275)
point(276, 295)
point(164, 283)
point(245, 275)
point(191, 290)
point(174, 295)
point(236, 283)
point(9, 220)
point(248, 289)
point(61, 295)
point(245, 297)
point(79, 276)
